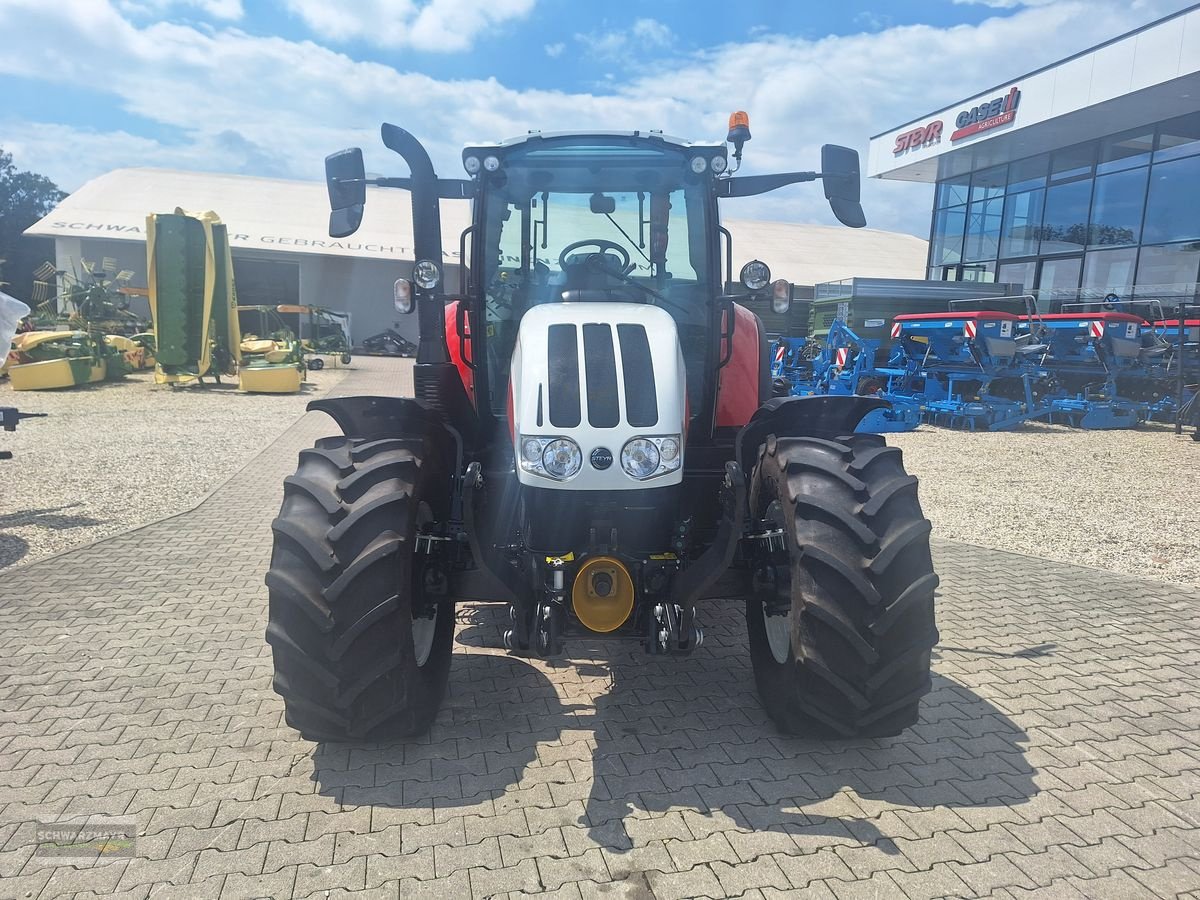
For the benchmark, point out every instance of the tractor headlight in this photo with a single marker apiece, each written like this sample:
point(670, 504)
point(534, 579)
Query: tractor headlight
point(648, 457)
point(699, 164)
point(402, 297)
point(491, 163)
point(551, 457)
point(427, 274)
point(562, 458)
point(718, 164)
point(756, 275)
point(472, 165)
point(640, 458)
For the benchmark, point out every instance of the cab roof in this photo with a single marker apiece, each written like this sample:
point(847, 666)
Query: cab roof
point(582, 137)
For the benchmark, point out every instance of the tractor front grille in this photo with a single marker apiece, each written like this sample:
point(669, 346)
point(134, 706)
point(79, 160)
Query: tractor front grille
point(600, 361)
point(563, 376)
point(637, 369)
point(600, 376)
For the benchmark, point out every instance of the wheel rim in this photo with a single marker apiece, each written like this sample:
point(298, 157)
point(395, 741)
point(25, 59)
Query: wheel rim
point(778, 628)
point(424, 613)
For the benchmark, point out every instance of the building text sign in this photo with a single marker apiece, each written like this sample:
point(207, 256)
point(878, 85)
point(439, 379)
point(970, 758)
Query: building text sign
point(239, 239)
point(918, 137)
point(986, 116)
point(983, 117)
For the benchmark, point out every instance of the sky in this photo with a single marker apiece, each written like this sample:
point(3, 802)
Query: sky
point(269, 87)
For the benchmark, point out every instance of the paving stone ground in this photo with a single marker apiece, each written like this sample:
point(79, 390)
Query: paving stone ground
point(1056, 756)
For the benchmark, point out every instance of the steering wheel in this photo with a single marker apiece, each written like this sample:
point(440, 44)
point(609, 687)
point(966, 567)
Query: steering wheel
point(603, 246)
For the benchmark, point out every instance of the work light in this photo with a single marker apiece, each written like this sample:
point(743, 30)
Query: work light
point(427, 274)
point(756, 275)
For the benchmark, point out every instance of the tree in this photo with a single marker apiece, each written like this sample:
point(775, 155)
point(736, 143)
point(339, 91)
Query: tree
point(25, 197)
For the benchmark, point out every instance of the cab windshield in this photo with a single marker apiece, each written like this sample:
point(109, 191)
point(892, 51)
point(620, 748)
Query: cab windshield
point(600, 223)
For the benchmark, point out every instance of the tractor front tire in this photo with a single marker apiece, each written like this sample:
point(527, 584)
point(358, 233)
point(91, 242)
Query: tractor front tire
point(360, 626)
point(841, 620)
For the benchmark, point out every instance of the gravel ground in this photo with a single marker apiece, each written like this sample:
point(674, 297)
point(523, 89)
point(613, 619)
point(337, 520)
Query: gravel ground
point(1125, 501)
point(116, 455)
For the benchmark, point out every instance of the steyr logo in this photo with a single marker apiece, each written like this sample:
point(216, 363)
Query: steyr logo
point(601, 458)
point(986, 116)
point(918, 137)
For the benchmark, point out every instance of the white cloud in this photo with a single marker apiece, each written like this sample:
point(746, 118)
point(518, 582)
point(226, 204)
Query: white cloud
point(873, 21)
point(652, 32)
point(264, 105)
point(440, 26)
point(230, 10)
point(624, 45)
point(555, 50)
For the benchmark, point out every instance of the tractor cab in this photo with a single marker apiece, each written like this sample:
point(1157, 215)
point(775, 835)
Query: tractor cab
point(564, 220)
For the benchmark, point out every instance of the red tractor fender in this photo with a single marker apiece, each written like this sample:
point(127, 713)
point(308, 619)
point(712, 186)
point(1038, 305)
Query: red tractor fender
point(744, 384)
point(455, 344)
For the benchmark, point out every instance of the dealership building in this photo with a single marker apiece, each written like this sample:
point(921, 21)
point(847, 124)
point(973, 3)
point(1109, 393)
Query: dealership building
point(1076, 180)
point(283, 255)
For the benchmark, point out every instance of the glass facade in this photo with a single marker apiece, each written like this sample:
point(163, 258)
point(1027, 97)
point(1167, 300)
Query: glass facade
point(1118, 214)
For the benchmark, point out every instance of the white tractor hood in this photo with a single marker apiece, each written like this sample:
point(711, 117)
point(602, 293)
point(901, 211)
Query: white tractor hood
point(600, 374)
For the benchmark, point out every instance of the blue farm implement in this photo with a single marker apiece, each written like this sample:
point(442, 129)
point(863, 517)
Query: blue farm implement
point(844, 365)
point(1183, 365)
point(976, 369)
point(1089, 355)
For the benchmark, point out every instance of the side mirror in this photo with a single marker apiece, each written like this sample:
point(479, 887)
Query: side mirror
point(839, 173)
point(345, 179)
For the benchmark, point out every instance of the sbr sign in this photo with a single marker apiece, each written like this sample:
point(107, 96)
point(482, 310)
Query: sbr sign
point(918, 137)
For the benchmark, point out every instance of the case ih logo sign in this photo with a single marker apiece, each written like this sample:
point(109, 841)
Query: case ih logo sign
point(986, 116)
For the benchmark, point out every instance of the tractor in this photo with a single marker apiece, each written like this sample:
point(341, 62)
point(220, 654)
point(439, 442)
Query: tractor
point(593, 442)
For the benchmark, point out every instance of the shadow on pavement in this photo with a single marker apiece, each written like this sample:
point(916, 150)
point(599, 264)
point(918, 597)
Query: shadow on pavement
point(663, 734)
point(12, 550)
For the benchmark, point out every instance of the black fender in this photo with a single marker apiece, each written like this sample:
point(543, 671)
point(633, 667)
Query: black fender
point(374, 418)
point(821, 415)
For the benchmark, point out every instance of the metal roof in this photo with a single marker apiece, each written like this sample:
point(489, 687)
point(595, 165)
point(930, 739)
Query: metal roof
point(274, 215)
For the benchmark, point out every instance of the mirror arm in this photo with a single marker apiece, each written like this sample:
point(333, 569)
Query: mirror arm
point(448, 188)
point(752, 185)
